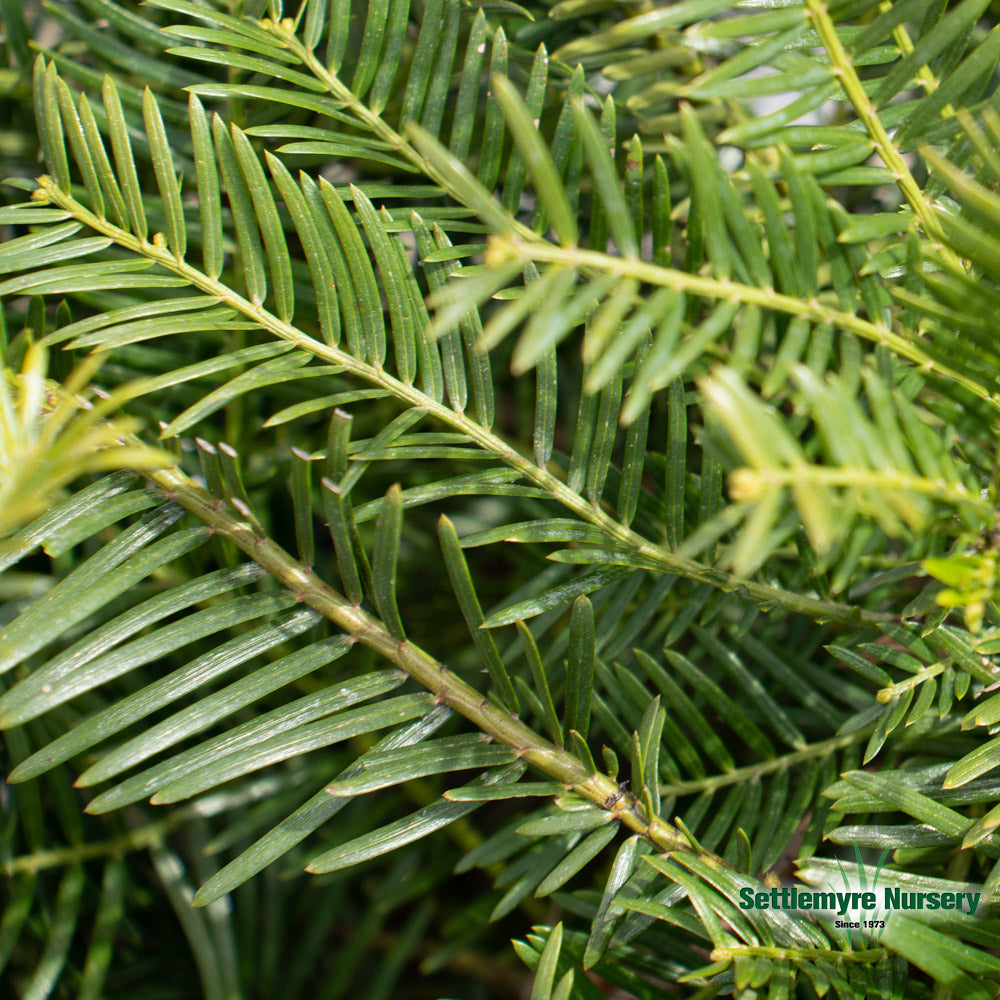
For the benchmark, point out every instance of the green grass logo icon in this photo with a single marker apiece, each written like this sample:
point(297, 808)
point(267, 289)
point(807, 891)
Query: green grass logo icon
point(874, 933)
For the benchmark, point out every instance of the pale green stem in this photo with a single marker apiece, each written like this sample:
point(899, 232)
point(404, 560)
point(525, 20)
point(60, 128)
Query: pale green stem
point(59, 857)
point(752, 483)
point(725, 290)
point(925, 74)
point(654, 556)
point(752, 771)
point(886, 694)
point(869, 955)
point(844, 71)
point(378, 125)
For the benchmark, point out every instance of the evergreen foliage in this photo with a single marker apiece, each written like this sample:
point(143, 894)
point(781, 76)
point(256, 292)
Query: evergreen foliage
point(583, 415)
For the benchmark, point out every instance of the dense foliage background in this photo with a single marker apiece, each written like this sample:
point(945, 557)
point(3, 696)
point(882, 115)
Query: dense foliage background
point(532, 467)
